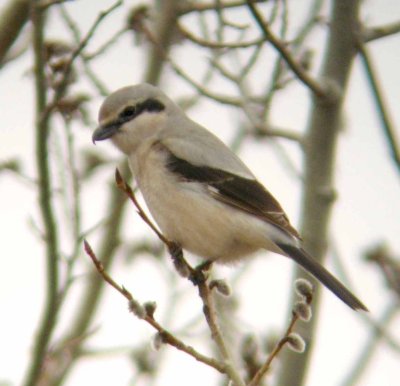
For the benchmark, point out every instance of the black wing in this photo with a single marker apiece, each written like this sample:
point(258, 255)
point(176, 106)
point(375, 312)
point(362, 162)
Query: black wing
point(242, 193)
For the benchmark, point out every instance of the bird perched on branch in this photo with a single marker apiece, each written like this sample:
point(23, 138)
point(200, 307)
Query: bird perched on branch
point(202, 196)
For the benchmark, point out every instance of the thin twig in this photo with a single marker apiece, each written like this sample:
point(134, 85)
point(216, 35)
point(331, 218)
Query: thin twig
point(309, 24)
point(167, 337)
point(307, 298)
point(105, 46)
point(218, 45)
point(101, 88)
point(223, 99)
point(387, 125)
point(197, 277)
point(374, 33)
point(274, 353)
point(188, 7)
point(44, 4)
point(121, 184)
point(210, 314)
point(68, 66)
point(49, 317)
point(281, 47)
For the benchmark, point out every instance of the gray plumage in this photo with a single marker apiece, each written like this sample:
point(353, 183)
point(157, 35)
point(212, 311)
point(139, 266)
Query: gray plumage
point(200, 193)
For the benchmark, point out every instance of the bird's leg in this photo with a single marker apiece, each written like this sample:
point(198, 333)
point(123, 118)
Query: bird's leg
point(200, 274)
point(181, 265)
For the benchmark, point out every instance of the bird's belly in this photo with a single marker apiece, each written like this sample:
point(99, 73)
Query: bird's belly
point(199, 223)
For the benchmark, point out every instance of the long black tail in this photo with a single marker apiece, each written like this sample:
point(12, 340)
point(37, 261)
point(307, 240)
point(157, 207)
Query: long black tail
point(312, 266)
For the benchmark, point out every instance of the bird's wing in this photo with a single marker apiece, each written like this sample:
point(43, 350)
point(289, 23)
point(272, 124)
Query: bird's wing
point(199, 146)
point(242, 193)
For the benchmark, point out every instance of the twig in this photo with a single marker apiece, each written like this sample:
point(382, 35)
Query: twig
point(305, 290)
point(101, 88)
point(387, 125)
point(278, 132)
point(68, 66)
point(281, 47)
point(308, 25)
point(196, 276)
point(121, 184)
point(212, 6)
point(218, 45)
point(44, 4)
point(223, 99)
point(105, 46)
point(49, 317)
point(134, 306)
point(90, 298)
point(210, 314)
point(274, 353)
point(320, 161)
point(374, 33)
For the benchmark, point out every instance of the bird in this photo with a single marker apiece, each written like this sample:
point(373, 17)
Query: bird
point(199, 192)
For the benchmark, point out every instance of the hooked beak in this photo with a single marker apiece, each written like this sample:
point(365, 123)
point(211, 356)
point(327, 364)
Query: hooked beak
point(105, 132)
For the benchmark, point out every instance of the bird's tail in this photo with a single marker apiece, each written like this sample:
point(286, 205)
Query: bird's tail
point(312, 266)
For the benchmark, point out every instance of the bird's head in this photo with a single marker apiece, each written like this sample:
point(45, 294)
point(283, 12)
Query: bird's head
point(132, 114)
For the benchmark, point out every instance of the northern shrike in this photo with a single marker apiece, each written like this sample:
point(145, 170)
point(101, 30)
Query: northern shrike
point(199, 192)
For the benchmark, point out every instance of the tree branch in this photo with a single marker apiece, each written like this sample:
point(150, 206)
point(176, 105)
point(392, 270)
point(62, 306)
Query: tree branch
point(141, 313)
point(386, 123)
point(321, 147)
point(218, 45)
point(60, 90)
point(49, 317)
point(186, 8)
point(262, 371)
point(109, 242)
point(196, 276)
point(281, 47)
point(375, 33)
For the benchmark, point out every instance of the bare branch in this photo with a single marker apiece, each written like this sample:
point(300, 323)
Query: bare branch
point(197, 277)
point(319, 176)
point(49, 317)
point(273, 131)
point(121, 184)
point(387, 124)
point(167, 337)
point(102, 89)
point(307, 298)
point(43, 4)
point(68, 66)
point(281, 47)
point(211, 317)
point(223, 99)
point(188, 7)
point(218, 45)
point(373, 33)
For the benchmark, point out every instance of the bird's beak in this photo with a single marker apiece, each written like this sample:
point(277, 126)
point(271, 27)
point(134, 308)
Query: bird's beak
point(105, 132)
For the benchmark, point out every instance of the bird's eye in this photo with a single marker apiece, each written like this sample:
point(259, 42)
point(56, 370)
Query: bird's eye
point(128, 112)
